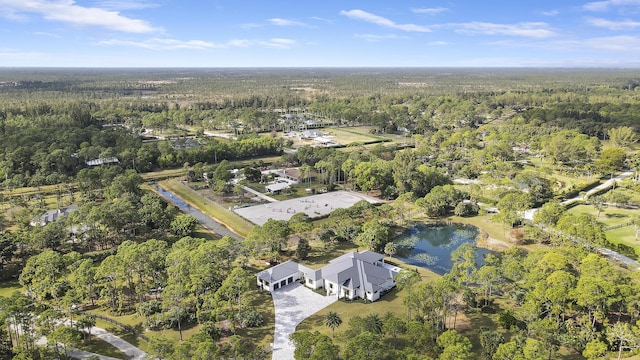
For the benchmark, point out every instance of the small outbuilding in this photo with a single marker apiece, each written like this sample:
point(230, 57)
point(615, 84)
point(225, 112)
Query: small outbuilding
point(279, 276)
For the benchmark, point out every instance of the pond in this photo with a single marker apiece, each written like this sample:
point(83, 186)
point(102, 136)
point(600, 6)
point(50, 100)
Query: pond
point(430, 246)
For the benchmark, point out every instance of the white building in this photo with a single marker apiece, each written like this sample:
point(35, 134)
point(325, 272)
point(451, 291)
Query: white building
point(353, 275)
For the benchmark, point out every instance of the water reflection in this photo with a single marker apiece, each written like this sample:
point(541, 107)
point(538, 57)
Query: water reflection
point(430, 246)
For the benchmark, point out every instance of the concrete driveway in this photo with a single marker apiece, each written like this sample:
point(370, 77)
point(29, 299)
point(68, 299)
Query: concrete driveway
point(293, 303)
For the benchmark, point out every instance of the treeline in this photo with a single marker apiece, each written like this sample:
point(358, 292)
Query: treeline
point(593, 119)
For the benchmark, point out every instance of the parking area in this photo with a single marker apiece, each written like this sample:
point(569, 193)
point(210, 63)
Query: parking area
point(293, 303)
point(314, 206)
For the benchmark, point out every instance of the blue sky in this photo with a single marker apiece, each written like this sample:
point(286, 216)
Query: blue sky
point(327, 33)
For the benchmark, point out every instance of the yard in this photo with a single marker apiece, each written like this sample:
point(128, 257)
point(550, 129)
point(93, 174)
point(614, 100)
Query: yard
point(612, 216)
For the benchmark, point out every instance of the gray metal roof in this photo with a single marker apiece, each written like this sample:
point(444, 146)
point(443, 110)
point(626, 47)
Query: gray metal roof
point(353, 270)
point(279, 272)
point(310, 273)
point(53, 215)
point(369, 256)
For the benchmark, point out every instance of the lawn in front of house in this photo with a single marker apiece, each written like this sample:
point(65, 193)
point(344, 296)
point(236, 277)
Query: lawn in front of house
point(390, 302)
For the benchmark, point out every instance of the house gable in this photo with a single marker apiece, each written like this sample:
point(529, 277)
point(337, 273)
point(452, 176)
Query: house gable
point(351, 275)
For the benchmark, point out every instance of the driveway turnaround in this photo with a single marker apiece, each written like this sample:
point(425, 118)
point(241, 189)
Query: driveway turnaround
point(293, 303)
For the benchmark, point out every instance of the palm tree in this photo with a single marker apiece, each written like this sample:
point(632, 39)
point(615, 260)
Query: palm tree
point(332, 320)
point(373, 323)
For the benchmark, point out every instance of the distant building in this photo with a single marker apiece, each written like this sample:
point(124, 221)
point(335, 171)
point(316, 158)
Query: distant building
point(353, 275)
point(277, 187)
point(185, 143)
point(53, 215)
point(311, 134)
point(103, 161)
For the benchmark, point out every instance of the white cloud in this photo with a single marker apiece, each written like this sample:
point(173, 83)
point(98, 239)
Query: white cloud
point(430, 11)
point(438, 43)
point(613, 25)
point(599, 6)
point(615, 43)
point(285, 22)
point(381, 21)
point(621, 44)
point(162, 44)
point(322, 19)
point(278, 43)
point(173, 44)
point(250, 26)
point(376, 38)
point(10, 54)
point(51, 35)
point(67, 11)
point(239, 43)
point(125, 4)
point(550, 13)
point(530, 29)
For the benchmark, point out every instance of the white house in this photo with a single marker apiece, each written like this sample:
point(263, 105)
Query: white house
point(53, 215)
point(353, 275)
point(277, 187)
point(103, 161)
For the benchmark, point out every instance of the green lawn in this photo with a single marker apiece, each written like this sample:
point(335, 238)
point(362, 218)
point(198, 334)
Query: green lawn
point(352, 135)
point(237, 224)
point(101, 347)
point(9, 287)
point(485, 224)
point(125, 335)
point(348, 309)
point(612, 216)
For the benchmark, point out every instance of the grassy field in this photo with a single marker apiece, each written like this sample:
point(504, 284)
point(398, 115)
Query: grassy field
point(348, 136)
point(612, 216)
point(124, 335)
point(237, 224)
point(99, 346)
point(163, 174)
point(9, 287)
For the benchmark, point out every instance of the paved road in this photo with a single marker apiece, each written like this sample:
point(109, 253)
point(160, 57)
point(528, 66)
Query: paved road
point(131, 351)
point(204, 219)
point(528, 214)
point(293, 303)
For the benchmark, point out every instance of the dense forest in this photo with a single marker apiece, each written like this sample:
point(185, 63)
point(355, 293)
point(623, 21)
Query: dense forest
point(483, 144)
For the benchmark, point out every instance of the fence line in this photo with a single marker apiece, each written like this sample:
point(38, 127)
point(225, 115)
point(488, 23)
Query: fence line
point(122, 326)
point(618, 226)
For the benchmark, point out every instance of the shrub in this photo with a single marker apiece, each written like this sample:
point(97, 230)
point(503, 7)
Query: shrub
point(507, 320)
point(250, 318)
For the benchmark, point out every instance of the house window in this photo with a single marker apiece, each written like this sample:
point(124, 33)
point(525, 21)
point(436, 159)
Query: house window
point(347, 293)
point(330, 286)
point(290, 280)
